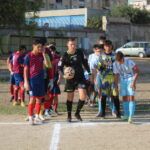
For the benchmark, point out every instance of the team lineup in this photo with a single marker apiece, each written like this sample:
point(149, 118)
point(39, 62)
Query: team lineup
point(41, 71)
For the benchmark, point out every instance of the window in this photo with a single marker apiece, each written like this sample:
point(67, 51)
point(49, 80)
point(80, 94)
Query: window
point(131, 45)
point(66, 6)
point(147, 45)
point(51, 6)
point(148, 2)
point(107, 3)
point(81, 0)
point(58, 1)
point(81, 6)
point(135, 45)
point(142, 45)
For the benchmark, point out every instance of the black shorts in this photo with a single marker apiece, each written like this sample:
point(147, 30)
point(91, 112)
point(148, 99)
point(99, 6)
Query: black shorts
point(72, 85)
point(46, 82)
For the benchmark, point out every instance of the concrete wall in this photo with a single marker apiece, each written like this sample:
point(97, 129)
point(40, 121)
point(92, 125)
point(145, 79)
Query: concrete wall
point(85, 38)
point(120, 31)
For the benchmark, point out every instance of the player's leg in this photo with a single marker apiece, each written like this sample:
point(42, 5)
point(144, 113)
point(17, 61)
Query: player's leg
point(55, 105)
point(37, 110)
point(31, 107)
point(12, 84)
point(47, 104)
point(70, 97)
point(82, 98)
point(131, 108)
point(131, 93)
point(22, 93)
point(99, 90)
point(123, 93)
point(69, 88)
point(125, 107)
point(117, 105)
point(16, 89)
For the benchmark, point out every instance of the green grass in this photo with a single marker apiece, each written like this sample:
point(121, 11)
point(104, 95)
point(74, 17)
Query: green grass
point(11, 110)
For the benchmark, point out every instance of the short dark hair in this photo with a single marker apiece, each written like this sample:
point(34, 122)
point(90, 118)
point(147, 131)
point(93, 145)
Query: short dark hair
point(22, 47)
point(119, 56)
point(108, 43)
point(37, 41)
point(102, 38)
point(71, 39)
point(43, 40)
point(99, 46)
point(52, 47)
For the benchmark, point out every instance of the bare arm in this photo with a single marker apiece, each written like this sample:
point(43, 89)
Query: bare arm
point(136, 74)
point(26, 78)
point(116, 79)
point(47, 61)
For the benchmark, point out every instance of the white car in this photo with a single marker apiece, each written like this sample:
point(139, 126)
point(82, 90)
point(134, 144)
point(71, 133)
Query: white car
point(141, 49)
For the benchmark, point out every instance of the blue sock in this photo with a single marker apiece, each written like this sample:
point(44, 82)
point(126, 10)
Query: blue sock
point(113, 108)
point(131, 108)
point(99, 106)
point(126, 108)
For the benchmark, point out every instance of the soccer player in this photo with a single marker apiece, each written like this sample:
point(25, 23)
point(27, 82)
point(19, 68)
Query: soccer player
point(127, 71)
point(105, 67)
point(75, 59)
point(12, 80)
point(17, 63)
point(54, 90)
point(92, 61)
point(34, 79)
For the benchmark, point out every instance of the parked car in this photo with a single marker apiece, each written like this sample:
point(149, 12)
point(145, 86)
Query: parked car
point(141, 49)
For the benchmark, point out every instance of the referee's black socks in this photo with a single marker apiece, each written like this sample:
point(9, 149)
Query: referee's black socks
point(69, 108)
point(79, 106)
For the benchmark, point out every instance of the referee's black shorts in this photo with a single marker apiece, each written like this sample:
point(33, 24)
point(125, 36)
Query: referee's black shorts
point(72, 85)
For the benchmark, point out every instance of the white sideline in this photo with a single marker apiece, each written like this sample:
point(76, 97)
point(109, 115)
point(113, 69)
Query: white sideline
point(55, 137)
point(84, 123)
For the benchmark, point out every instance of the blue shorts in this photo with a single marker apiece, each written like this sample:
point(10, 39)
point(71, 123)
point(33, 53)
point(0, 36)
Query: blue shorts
point(37, 87)
point(18, 79)
point(125, 87)
point(12, 79)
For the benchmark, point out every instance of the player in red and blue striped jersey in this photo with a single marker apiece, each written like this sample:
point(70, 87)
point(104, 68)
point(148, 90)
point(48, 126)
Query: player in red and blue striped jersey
point(34, 79)
point(12, 80)
point(17, 63)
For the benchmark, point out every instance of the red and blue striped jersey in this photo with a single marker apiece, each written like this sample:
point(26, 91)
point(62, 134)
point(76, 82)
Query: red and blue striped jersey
point(34, 63)
point(17, 61)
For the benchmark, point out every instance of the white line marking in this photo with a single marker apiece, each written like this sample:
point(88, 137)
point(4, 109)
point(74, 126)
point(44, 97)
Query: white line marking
point(13, 123)
point(76, 124)
point(55, 137)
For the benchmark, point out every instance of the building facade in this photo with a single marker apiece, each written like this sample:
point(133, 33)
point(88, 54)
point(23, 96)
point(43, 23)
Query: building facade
point(142, 4)
point(69, 4)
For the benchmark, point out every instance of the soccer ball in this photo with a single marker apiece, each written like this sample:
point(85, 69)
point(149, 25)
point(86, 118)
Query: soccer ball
point(69, 73)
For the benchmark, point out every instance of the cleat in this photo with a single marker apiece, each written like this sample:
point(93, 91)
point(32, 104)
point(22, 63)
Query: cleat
point(98, 115)
point(15, 103)
point(130, 120)
point(23, 104)
point(102, 116)
point(37, 120)
point(41, 117)
point(56, 112)
point(69, 119)
point(78, 117)
point(31, 120)
point(46, 114)
point(12, 98)
point(114, 115)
